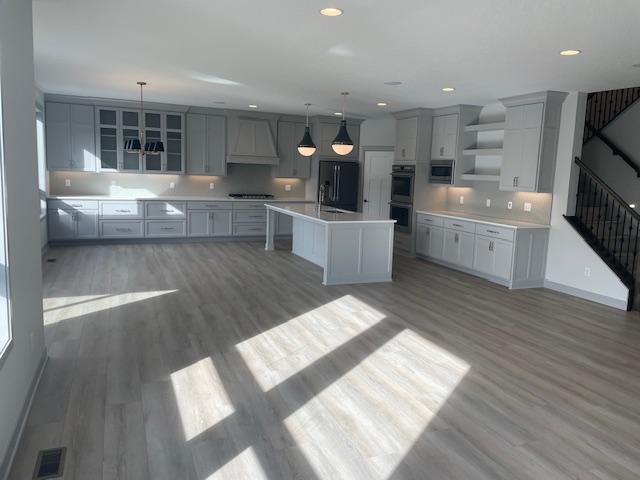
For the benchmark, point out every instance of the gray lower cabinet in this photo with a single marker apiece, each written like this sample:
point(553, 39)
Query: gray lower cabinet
point(70, 136)
point(206, 145)
point(210, 223)
point(458, 248)
point(72, 224)
point(166, 228)
point(121, 229)
point(493, 257)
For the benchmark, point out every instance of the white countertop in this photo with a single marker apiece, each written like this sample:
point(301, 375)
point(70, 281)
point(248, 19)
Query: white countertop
point(176, 198)
point(311, 212)
point(498, 222)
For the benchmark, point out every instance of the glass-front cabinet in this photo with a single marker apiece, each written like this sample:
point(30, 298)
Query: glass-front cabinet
point(116, 126)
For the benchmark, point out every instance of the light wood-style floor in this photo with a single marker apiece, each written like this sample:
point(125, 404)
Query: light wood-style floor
point(203, 361)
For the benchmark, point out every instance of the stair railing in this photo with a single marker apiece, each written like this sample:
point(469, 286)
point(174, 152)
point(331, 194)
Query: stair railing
point(608, 223)
point(614, 148)
point(604, 107)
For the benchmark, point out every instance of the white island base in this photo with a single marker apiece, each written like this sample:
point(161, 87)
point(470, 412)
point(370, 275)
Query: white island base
point(351, 247)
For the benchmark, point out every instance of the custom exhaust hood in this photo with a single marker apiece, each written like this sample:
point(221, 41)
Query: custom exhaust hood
point(251, 139)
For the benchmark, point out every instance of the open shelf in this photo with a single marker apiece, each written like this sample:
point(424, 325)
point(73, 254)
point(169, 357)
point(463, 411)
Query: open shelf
point(485, 127)
point(483, 151)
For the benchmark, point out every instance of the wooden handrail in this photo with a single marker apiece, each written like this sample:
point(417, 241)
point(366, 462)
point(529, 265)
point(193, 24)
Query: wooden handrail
point(609, 190)
point(614, 149)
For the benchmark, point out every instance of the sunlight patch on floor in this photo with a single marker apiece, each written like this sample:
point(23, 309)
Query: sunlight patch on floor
point(278, 353)
point(57, 309)
point(378, 409)
point(200, 396)
point(243, 466)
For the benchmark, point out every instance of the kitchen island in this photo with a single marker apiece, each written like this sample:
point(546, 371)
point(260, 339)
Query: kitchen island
point(351, 247)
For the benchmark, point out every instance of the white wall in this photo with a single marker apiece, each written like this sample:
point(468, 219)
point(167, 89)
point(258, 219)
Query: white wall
point(624, 132)
point(569, 254)
point(18, 99)
point(379, 131)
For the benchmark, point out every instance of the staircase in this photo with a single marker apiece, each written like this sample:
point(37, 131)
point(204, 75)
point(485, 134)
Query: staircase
point(606, 222)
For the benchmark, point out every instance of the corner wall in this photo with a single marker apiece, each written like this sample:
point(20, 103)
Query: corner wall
point(22, 364)
point(569, 254)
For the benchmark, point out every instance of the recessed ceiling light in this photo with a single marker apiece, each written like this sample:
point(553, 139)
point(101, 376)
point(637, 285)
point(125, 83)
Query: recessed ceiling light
point(448, 89)
point(382, 104)
point(253, 106)
point(331, 12)
point(570, 53)
point(338, 114)
point(393, 83)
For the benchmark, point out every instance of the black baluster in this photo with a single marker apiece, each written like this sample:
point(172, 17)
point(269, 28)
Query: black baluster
point(599, 216)
point(593, 209)
point(635, 250)
point(624, 224)
point(629, 242)
point(615, 236)
point(604, 223)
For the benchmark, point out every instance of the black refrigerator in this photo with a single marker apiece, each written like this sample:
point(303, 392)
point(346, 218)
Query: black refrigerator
point(340, 180)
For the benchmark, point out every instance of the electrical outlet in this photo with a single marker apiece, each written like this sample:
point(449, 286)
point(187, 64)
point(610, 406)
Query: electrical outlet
point(287, 188)
point(212, 186)
point(527, 207)
point(488, 203)
point(510, 205)
point(461, 199)
point(172, 185)
point(67, 182)
point(587, 271)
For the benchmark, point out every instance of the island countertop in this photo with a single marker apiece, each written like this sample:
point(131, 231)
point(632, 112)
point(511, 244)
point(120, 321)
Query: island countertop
point(326, 214)
point(174, 198)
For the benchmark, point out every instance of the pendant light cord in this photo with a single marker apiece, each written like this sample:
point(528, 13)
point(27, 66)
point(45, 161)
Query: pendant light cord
point(344, 103)
point(307, 105)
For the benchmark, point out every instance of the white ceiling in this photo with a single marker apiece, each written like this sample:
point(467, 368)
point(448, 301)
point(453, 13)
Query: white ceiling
point(280, 54)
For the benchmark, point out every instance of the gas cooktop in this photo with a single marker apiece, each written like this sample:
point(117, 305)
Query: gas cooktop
point(258, 196)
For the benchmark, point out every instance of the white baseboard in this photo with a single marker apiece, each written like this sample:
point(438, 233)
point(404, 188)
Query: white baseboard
point(5, 466)
point(594, 297)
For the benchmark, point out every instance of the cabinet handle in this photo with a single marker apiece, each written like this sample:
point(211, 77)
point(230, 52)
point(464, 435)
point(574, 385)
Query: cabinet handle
point(456, 238)
point(255, 216)
point(168, 228)
point(166, 210)
point(491, 246)
point(404, 152)
point(428, 232)
point(76, 204)
point(493, 231)
point(442, 151)
point(457, 225)
point(123, 211)
point(123, 229)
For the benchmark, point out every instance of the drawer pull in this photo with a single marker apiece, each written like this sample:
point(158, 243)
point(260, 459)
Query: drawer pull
point(493, 231)
point(123, 211)
point(166, 210)
point(76, 204)
point(457, 225)
point(168, 229)
point(211, 206)
point(255, 216)
point(123, 229)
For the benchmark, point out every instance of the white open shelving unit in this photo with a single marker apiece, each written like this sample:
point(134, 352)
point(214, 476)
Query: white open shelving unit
point(486, 155)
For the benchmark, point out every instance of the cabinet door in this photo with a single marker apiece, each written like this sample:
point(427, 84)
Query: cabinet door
point(216, 159)
point(406, 139)
point(61, 225)
point(451, 250)
point(422, 239)
point(107, 139)
point(436, 242)
point(83, 138)
point(221, 225)
point(199, 224)
point(86, 224)
point(502, 253)
point(286, 140)
point(196, 144)
point(467, 242)
point(58, 133)
point(450, 140)
point(483, 261)
point(130, 121)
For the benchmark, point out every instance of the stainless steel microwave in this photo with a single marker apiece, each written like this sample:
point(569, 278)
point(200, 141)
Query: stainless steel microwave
point(441, 171)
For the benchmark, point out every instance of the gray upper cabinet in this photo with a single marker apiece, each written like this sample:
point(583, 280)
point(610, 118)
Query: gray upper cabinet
point(413, 135)
point(292, 164)
point(70, 132)
point(206, 145)
point(445, 137)
point(531, 141)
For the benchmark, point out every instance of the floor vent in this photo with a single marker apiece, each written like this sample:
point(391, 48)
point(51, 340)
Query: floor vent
point(50, 463)
point(51, 260)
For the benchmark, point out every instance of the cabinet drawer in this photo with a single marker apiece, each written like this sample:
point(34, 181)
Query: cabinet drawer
point(165, 209)
point(461, 225)
point(209, 205)
point(250, 205)
point(121, 229)
point(249, 216)
point(73, 204)
point(121, 209)
point(167, 228)
point(248, 229)
point(430, 220)
point(495, 232)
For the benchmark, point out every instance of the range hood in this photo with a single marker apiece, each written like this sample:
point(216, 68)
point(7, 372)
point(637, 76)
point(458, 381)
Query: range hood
point(251, 140)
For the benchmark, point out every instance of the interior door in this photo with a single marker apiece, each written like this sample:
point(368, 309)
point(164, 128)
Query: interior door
point(377, 183)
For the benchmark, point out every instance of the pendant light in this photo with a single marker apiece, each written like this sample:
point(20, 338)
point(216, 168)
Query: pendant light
point(135, 145)
point(342, 144)
point(306, 147)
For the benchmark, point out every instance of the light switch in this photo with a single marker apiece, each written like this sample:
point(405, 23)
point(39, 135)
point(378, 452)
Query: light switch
point(510, 205)
point(488, 203)
point(527, 207)
point(212, 186)
point(67, 182)
point(461, 199)
point(287, 188)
